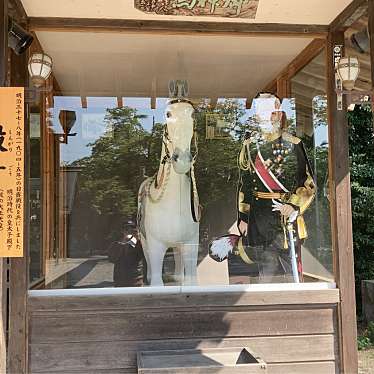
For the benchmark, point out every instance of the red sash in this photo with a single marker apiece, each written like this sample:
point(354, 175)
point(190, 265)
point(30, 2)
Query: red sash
point(267, 177)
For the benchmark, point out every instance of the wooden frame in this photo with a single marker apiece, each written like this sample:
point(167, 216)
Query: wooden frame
point(340, 200)
point(176, 27)
point(282, 82)
point(13, 272)
point(339, 167)
point(355, 10)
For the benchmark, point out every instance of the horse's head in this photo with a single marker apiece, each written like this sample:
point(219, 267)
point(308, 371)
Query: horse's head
point(180, 128)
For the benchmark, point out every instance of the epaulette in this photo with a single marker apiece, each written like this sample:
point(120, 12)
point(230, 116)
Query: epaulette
point(292, 139)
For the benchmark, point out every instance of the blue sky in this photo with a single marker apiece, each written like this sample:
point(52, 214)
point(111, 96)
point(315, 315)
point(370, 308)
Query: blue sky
point(90, 123)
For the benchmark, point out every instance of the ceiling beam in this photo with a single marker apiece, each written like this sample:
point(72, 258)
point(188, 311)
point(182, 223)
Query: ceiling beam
point(304, 58)
point(355, 10)
point(176, 27)
point(298, 88)
point(311, 82)
point(315, 71)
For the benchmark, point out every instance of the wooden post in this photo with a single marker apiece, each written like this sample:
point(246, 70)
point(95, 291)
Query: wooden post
point(3, 315)
point(3, 262)
point(341, 216)
point(13, 272)
point(3, 42)
point(18, 270)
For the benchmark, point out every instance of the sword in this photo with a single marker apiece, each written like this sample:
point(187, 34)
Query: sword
point(290, 229)
point(291, 237)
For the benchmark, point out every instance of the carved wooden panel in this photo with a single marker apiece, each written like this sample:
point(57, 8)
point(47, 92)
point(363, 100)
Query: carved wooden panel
point(213, 8)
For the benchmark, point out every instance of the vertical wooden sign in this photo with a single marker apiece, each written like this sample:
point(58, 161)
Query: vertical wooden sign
point(12, 146)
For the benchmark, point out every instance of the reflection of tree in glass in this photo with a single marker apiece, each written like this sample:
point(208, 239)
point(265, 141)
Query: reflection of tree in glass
point(111, 176)
point(318, 216)
point(217, 171)
point(320, 111)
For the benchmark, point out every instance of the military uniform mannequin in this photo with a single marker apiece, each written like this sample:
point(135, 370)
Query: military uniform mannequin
point(275, 186)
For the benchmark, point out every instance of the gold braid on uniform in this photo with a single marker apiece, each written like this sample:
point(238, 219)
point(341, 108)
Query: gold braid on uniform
point(303, 198)
point(244, 160)
point(245, 164)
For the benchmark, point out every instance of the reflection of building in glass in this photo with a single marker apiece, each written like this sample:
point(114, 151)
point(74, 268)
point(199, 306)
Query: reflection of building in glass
point(216, 126)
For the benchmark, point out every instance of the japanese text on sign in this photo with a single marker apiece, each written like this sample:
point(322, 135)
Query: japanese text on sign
point(11, 171)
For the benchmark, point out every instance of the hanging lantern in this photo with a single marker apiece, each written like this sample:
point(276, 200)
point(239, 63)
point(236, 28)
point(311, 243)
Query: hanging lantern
point(348, 70)
point(40, 68)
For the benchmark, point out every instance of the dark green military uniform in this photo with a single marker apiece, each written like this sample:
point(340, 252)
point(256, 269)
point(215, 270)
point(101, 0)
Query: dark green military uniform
point(285, 177)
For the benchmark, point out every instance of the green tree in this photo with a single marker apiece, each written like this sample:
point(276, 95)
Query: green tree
point(361, 138)
point(111, 175)
point(122, 159)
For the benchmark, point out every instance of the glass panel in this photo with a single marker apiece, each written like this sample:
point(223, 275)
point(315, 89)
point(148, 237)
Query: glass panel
point(309, 91)
point(153, 181)
point(36, 271)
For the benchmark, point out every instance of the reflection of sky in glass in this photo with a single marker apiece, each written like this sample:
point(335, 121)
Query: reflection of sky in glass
point(90, 124)
point(321, 135)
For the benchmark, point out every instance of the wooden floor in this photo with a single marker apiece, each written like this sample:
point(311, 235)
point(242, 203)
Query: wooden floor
point(292, 331)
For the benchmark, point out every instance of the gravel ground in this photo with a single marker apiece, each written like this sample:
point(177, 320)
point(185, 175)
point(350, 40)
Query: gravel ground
point(366, 362)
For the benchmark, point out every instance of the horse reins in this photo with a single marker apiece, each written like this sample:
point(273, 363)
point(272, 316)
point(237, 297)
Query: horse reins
point(167, 159)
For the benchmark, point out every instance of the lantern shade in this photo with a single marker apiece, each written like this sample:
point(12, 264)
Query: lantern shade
point(348, 70)
point(40, 68)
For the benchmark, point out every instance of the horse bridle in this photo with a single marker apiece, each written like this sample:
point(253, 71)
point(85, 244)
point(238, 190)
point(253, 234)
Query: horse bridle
point(168, 160)
point(166, 138)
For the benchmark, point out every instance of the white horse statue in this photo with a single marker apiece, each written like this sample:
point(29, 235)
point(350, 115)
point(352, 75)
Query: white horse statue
point(168, 206)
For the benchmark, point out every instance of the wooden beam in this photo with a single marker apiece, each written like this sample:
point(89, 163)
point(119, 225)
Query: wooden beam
point(283, 87)
point(154, 93)
point(213, 102)
point(304, 58)
point(355, 10)
point(248, 103)
point(84, 102)
point(3, 42)
point(341, 216)
point(120, 102)
point(311, 86)
point(315, 71)
point(175, 27)
point(304, 117)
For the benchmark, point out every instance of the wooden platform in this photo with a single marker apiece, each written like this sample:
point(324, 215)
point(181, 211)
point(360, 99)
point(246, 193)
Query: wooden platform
point(292, 331)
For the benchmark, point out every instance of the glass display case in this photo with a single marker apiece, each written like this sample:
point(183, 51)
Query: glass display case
point(182, 183)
